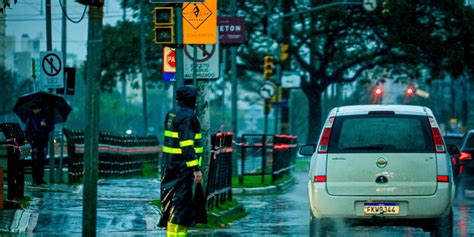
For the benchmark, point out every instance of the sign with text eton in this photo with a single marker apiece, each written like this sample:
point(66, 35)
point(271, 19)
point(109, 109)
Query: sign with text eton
point(207, 61)
point(200, 22)
point(231, 29)
point(52, 69)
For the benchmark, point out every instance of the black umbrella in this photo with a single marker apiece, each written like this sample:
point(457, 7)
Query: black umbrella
point(51, 104)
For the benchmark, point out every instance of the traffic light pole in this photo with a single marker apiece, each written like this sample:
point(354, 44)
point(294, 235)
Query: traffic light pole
point(49, 47)
point(179, 51)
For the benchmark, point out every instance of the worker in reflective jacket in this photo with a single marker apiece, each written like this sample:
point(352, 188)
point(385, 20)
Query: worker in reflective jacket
point(182, 154)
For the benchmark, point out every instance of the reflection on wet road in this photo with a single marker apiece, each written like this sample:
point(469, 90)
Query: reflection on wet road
point(124, 210)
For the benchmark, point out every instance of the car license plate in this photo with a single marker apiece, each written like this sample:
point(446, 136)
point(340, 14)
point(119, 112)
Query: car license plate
point(377, 208)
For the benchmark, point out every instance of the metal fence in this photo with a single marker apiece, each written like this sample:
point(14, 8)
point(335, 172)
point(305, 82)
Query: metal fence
point(119, 156)
point(264, 154)
point(219, 184)
point(13, 149)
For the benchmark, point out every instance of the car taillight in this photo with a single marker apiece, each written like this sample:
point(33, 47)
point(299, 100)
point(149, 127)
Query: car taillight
point(324, 143)
point(443, 178)
point(453, 160)
point(465, 156)
point(320, 178)
point(437, 138)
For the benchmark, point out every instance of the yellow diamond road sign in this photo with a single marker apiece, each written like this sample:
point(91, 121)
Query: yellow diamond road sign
point(200, 22)
point(196, 14)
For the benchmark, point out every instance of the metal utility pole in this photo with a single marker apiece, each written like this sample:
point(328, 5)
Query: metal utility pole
point(267, 101)
point(64, 51)
point(49, 47)
point(179, 51)
point(143, 67)
point(233, 69)
point(91, 153)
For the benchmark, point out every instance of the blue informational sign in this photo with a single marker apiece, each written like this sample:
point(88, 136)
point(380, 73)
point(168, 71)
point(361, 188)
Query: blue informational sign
point(169, 76)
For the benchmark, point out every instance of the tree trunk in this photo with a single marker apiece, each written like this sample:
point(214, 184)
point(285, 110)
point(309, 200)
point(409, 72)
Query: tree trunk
point(314, 115)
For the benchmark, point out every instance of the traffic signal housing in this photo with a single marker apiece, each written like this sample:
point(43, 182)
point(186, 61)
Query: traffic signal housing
point(385, 7)
point(164, 25)
point(284, 51)
point(95, 3)
point(268, 67)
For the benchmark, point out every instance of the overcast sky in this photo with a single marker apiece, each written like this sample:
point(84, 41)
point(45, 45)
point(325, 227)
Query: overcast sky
point(29, 16)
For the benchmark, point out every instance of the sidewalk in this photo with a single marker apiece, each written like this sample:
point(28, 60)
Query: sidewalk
point(123, 206)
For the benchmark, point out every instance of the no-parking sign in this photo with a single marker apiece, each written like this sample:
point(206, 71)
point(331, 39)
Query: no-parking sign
point(52, 69)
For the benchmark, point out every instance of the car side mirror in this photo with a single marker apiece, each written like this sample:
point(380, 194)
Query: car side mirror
point(452, 149)
point(308, 150)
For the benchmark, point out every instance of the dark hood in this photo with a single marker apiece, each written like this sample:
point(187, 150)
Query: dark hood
point(186, 96)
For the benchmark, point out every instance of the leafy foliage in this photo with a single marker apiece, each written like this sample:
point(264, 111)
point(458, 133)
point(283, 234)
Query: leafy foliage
point(11, 89)
point(121, 48)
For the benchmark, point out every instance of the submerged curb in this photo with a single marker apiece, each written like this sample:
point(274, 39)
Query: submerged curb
point(227, 213)
point(264, 190)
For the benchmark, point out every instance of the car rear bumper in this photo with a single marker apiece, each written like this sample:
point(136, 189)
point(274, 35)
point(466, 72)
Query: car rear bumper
point(324, 205)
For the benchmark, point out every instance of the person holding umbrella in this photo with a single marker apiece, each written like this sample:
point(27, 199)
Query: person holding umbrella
point(37, 129)
point(40, 111)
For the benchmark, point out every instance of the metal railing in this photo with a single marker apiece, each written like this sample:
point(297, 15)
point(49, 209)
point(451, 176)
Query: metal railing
point(264, 154)
point(119, 156)
point(13, 149)
point(219, 184)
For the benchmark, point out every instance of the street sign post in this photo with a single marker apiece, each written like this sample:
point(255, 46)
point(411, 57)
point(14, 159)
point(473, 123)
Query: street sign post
point(52, 69)
point(200, 22)
point(207, 61)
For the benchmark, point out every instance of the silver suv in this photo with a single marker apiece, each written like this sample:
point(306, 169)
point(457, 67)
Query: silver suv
point(380, 165)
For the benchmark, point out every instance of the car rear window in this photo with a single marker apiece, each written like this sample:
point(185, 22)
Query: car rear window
point(470, 142)
point(381, 133)
point(452, 140)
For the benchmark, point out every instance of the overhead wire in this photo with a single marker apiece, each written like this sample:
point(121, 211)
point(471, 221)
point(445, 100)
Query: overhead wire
point(66, 15)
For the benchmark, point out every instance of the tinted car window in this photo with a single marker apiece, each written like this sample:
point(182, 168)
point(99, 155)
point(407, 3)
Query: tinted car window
point(469, 142)
point(453, 140)
point(381, 133)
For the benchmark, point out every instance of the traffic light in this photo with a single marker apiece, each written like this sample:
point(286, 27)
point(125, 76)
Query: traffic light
point(378, 91)
point(283, 51)
point(386, 7)
point(268, 67)
point(95, 3)
point(164, 25)
point(410, 91)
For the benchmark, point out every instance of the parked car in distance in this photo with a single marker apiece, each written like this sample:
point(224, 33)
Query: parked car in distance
point(453, 144)
point(380, 165)
point(466, 169)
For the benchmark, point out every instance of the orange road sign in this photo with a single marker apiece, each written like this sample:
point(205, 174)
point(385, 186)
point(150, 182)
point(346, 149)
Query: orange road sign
point(200, 22)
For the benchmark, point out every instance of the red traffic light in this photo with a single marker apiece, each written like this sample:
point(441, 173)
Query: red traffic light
point(410, 91)
point(378, 91)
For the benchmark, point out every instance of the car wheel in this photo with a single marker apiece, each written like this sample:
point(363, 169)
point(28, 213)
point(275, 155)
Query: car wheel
point(443, 226)
point(317, 227)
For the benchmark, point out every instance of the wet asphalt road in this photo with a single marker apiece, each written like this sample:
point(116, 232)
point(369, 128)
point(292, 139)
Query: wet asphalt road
point(124, 210)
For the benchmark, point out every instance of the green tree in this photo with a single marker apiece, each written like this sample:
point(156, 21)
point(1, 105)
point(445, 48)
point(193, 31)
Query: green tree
point(338, 44)
point(11, 89)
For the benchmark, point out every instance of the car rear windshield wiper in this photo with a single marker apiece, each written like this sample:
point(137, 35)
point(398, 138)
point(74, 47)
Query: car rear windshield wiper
point(364, 148)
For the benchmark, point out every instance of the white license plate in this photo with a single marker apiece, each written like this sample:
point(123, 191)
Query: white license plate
point(377, 208)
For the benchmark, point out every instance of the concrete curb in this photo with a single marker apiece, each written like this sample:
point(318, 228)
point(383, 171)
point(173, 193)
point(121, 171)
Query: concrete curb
point(223, 214)
point(21, 220)
point(264, 190)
